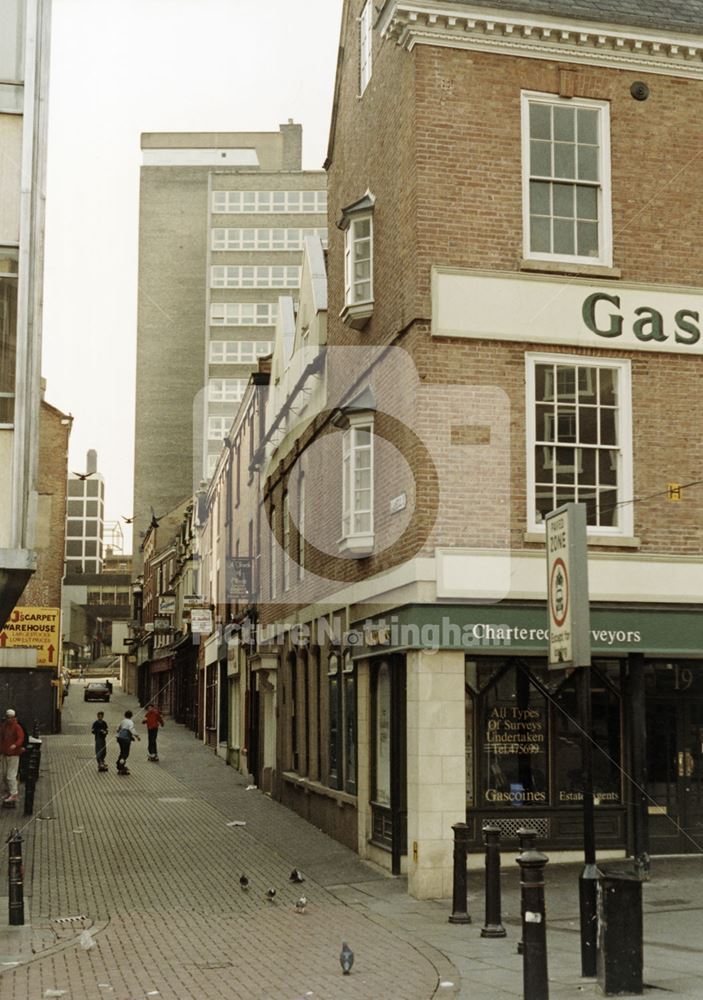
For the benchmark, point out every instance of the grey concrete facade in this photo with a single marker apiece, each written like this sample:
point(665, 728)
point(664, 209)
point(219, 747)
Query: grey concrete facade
point(175, 398)
point(24, 67)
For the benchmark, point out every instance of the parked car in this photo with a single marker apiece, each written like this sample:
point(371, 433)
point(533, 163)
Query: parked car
point(96, 691)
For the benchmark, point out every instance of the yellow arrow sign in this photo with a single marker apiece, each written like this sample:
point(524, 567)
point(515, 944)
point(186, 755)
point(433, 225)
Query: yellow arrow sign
point(34, 628)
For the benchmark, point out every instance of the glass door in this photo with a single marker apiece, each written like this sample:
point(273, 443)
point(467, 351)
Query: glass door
point(662, 777)
point(690, 768)
point(675, 776)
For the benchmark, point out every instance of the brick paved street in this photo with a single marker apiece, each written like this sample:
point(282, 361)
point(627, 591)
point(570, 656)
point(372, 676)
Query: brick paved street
point(152, 865)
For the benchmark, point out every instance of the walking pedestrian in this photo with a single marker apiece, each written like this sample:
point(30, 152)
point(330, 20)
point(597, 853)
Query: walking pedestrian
point(11, 747)
point(152, 720)
point(125, 735)
point(99, 731)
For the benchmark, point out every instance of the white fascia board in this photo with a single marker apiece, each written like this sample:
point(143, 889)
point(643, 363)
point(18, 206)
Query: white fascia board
point(494, 575)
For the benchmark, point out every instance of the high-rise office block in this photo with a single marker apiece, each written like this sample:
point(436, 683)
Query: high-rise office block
point(85, 519)
point(223, 217)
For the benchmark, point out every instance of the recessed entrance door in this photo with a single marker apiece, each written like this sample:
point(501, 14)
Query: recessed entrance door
point(675, 775)
point(388, 759)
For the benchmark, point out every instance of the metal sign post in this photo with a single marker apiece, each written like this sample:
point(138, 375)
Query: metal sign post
point(570, 646)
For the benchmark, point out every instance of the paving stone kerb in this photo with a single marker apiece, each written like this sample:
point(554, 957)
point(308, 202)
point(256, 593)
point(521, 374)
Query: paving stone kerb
point(150, 857)
point(155, 870)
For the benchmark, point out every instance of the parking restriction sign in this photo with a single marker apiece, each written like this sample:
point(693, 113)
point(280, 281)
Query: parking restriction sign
point(567, 587)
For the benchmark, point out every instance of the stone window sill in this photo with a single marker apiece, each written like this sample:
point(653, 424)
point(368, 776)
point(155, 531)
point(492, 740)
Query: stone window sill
point(562, 267)
point(317, 788)
point(613, 541)
point(356, 546)
point(357, 315)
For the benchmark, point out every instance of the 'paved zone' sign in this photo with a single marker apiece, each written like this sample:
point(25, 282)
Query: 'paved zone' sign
point(567, 587)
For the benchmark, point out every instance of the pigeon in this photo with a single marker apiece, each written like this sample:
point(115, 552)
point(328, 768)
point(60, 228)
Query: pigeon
point(301, 904)
point(83, 475)
point(346, 958)
point(295, 876)
point(270, 895)
point(243, 882)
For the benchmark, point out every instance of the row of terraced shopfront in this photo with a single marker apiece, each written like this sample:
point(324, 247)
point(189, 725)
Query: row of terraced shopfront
point(507, 318)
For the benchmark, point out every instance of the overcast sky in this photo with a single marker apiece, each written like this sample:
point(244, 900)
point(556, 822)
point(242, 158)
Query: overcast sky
point(119, 68)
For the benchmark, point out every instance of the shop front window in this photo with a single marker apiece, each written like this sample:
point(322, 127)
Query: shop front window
point(605, 733)
point(513, 741)
point(382, 737)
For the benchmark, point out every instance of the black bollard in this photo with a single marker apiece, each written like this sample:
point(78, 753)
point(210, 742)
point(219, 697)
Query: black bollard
point(460, 913)
point(527, 839)
point(34, 753)
point(15, 879)
point(493, 928)
point(35, 736)
point(534, 929)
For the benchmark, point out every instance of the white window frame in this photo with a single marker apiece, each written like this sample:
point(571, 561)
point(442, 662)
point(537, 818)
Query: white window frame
point(285, 513)
point(217, 427)
point(255, 276)
point(624, 435)
point(365, 45)
point(305, 202)
point(356, 541)
point(226, 390)
point(351, 240)
point(238, 352)
point(605, 223)
point(276, 240)
point(243, 313)
point(301, 527)
point(273, 555)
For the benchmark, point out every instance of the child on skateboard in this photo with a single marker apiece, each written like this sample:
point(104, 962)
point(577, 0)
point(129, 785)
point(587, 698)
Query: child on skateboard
point(152, 720)
point(99, 731)
point(125, 735)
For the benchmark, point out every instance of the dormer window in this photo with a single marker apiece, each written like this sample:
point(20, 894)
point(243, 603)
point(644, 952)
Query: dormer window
point(357, 222)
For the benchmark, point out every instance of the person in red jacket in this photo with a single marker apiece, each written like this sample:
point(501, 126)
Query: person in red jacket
point(11, 747)
point(152, 720)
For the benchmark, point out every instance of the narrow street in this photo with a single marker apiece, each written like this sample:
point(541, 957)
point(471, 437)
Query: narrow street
point(151, 865)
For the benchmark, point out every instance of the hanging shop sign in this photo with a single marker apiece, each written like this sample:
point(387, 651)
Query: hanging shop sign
point(238, 578)
point(201, 621)
point(167, 604)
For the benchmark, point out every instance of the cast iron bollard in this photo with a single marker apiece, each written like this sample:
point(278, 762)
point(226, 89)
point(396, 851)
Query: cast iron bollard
point(588, 911)
point(15, 879)
point(534, 929)
point(493, 928)
point(34, 754)
point(460, 913)
point(527, 839)
point(35, 736)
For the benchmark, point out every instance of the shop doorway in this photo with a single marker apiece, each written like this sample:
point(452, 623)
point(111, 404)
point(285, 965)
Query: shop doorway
point(675, 760)
point(388, 759)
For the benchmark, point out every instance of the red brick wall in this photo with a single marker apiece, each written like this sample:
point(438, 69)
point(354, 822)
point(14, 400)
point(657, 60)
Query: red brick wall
point(44, 587)
point(436, 138)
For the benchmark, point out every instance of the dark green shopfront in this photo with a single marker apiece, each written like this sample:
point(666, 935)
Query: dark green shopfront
point(523, 741)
